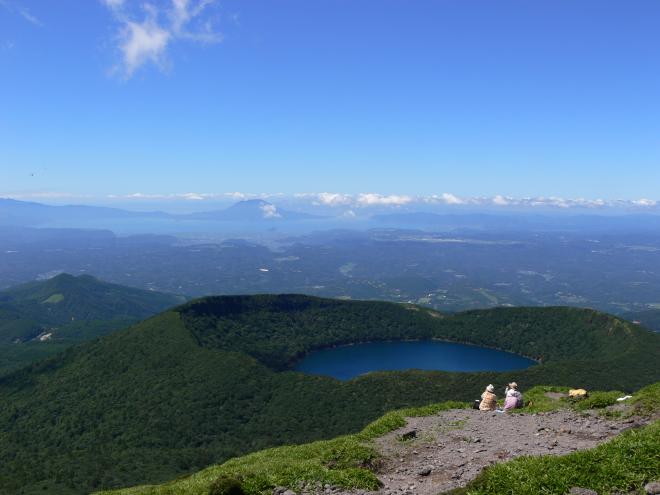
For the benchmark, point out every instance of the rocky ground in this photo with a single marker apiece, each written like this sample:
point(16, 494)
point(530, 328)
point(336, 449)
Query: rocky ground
point(453, 447)
point(434, 454)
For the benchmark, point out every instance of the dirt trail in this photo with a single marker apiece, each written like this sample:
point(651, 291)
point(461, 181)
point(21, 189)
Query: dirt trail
point(453, 447)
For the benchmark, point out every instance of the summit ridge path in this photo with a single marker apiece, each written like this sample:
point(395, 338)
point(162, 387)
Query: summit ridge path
point(451, 448)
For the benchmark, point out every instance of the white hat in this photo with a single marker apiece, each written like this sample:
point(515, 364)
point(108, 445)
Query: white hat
point(490, 388)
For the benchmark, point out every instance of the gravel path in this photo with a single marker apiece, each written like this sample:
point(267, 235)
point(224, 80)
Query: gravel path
point(451, 448)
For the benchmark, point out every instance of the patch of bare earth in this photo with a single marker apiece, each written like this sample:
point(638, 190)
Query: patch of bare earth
point(452, 448)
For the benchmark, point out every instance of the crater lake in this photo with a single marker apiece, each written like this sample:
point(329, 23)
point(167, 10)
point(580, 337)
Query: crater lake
point(346, 362)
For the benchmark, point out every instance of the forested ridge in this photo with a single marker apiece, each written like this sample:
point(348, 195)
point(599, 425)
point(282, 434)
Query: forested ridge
point(209, 380)
point(68, 310)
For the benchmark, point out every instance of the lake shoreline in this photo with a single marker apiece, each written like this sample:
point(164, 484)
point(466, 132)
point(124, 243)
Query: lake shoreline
point(395, 355)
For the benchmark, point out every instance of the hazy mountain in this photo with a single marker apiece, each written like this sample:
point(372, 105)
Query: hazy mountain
point(253, 210)
point(208, 380)
point(521, 222)
point(23, 213)
point(27, 214)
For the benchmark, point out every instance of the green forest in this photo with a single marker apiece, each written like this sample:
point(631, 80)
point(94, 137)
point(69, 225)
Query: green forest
point(211, 379)
point(68, 310)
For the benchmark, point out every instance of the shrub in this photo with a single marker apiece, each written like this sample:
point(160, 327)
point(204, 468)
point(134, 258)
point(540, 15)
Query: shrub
point(598, 400)
point(225, 485)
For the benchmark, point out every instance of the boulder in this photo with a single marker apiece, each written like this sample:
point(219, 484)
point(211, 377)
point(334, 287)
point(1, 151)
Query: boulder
point(408, 435)
point(576, 490)
point(652, 488)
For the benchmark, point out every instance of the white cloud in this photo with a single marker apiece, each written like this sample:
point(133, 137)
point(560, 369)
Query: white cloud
point(446, 198)
point(22, 11)
point(147, 30)
point(114, 4)
point(645, 202)
point(450, 199)
point(501, 201)
point(348, 204)
point(371, 199)
point(327, 199)
point(143, 43)
point(270, 211)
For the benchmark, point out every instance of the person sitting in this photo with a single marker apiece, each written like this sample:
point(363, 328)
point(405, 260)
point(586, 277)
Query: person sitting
point(488, 399)
point(513, 398)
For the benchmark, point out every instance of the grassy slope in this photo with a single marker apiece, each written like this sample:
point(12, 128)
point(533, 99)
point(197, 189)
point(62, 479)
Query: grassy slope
point(342, 461)
point(626, 463)
point(150, 403)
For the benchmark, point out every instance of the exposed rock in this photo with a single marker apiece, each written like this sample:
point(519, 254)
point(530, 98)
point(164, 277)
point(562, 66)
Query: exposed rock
point(652, 488)
point(576, 490)
point(408, 435)
point(424, 471)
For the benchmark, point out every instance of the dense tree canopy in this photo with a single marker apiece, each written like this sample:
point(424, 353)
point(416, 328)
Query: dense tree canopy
point(210, 380)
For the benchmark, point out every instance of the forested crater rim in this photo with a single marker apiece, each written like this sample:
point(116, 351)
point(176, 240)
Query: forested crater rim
point(281, 329)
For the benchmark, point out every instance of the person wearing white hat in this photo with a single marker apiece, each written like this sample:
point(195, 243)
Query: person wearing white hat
point(488, 399)
point(513, 398)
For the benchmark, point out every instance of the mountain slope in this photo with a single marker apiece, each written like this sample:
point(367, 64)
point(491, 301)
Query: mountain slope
point(178, 392)
point(38, 318)
point(451, 446)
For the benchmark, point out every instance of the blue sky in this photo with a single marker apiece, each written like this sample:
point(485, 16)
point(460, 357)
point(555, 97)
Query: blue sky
point(473, 98)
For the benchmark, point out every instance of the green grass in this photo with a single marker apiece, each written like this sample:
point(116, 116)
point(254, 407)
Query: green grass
point(540, 402)
point(622, 465)
point(536, 399)
point(54, 299)
point(344, 461)
point(597, 400)
point(645, 401)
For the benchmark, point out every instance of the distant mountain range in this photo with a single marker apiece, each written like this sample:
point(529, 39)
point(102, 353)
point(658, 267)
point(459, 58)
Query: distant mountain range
point(28, 214)
point(23, 213)
point(253, 210)
point(520, 222)
point(65, 310)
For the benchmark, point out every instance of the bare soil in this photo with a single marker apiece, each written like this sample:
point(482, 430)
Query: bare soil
point(453, 447)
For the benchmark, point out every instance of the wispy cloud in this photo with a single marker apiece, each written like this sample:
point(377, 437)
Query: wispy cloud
point(349, 205)
point(371, 199)
point(17, 8)
point(147, 30)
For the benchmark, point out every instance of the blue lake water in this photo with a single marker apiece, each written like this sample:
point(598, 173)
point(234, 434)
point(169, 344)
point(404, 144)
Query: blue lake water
point(346, 362)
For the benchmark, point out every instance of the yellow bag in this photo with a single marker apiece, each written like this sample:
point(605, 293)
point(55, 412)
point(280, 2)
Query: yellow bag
point(577, 393)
